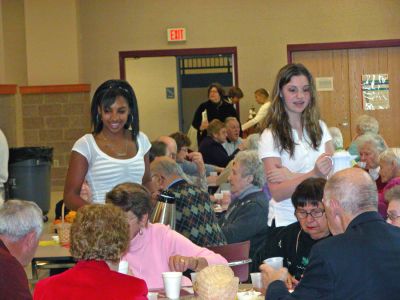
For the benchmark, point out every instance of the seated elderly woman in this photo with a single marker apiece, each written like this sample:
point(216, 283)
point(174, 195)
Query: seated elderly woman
point(364, 124)
point(392, 196)
point(155, 248)
point(99, 236)
point(389, 172)
point(247, 214)
point(211, 147)
point(370, 146)
point(294, 241)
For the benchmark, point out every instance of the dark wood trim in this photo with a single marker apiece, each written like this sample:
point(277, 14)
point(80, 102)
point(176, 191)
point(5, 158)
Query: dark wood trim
point(8, 89)
point(51, 89)
point(176, 52)
point(339, 46)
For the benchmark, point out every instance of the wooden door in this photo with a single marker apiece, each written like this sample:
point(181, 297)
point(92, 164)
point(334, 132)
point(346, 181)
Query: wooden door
point(377, 61)
point(343, 105)
point(334, 105)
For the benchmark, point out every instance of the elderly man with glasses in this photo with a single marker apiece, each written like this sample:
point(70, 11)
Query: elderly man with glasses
point(294, 241)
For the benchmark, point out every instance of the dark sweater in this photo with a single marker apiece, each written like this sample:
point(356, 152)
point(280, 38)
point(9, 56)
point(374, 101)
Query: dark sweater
point(219, 111)
point(246, 219)
point(214, 153)
point(13, 281)
point(294, 245)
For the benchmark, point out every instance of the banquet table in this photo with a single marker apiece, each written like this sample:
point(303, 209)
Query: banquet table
point(51, 255)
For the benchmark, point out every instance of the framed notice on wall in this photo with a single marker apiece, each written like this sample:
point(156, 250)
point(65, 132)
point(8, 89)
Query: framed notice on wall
point(375, 91)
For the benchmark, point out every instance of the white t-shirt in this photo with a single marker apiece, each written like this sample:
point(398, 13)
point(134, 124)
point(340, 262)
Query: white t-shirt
point(105, 172)
point(303, 161)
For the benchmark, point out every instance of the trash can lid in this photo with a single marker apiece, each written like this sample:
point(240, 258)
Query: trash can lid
point(25, 153)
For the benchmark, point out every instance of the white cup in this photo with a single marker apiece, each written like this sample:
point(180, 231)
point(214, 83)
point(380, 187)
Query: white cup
point(274, 262)
point(152, 296)
point(172, 284)
point(123, 267)
point(193, 276)
point(218, 196)
point(256, 280)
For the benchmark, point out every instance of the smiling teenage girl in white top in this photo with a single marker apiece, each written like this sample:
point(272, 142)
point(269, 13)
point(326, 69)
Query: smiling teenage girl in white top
point(295, 143)
point(114, 152)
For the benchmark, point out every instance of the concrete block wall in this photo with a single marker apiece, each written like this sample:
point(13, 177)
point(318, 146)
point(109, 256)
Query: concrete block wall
point(50, 116)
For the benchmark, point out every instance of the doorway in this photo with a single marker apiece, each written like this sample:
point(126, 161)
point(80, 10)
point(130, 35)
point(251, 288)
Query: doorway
point(185, 72)
point(345, 63)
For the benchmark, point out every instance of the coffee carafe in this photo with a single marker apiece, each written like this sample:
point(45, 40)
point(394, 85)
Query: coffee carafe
point(165, 210)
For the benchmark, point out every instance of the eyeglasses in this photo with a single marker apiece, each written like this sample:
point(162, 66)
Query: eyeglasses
point(315, 213)
point(392, 217)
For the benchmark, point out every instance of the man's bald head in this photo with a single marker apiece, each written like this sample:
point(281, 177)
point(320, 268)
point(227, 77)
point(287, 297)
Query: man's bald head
point(354, 189)
point(171, 145)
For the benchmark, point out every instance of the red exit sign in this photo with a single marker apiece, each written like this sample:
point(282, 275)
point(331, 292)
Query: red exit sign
point(176, 34)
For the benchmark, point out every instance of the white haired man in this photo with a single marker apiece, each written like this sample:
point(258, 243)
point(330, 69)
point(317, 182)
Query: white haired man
point(20, 228)
point(233, 139)
point(360, 260)
point(195, 218)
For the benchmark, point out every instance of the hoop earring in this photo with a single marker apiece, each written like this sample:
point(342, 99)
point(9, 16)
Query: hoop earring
point(98, 119)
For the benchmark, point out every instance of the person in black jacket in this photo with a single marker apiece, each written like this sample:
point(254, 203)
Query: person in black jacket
point(360, 260)
point(216, 107)
point(247, 215)
point(212, 147)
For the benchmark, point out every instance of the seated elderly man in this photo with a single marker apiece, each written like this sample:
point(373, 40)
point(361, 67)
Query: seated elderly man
point(389, 172)
point(233, 139)
point(294, 241)
point(198, 179)
point(20, 228)
point(392, 196)
point(99, 236)
point(190, 162)
point(195, 218)
point(359, 261)
point(247, 214)
point(370, 146)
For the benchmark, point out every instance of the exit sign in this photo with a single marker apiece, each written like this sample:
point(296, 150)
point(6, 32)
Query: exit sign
point(176, 34)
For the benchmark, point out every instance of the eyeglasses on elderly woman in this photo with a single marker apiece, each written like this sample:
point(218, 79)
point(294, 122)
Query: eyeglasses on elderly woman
point(315, 213)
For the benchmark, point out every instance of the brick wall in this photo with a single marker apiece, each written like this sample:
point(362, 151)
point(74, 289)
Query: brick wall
point(55, 120)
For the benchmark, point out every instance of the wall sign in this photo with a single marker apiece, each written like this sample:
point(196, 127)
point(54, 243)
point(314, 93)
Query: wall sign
point(375, 91)
point(176, 34)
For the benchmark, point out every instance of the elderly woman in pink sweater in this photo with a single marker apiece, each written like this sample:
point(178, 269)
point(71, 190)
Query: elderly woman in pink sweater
point(155, 248)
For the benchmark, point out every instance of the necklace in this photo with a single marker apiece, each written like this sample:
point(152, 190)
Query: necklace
point(110, 146)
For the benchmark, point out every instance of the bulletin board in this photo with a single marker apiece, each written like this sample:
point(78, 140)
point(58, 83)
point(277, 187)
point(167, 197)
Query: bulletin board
point(375, 91)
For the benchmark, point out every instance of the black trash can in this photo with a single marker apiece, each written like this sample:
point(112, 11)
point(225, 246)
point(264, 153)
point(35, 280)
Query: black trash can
point(29, 178)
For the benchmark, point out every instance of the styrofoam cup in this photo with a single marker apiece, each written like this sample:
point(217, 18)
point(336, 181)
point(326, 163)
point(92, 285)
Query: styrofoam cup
point(256, 280)
point(172, 284)
point(275, 262)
